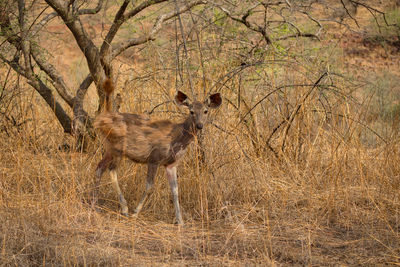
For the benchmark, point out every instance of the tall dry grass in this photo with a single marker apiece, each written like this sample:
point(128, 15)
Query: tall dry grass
point(331, 196)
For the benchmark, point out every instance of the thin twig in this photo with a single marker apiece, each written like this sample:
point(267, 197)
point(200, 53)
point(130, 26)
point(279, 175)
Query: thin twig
point(295, 112)
point(178, 17)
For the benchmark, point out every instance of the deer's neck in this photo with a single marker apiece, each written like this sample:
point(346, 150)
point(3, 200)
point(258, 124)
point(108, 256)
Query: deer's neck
point(184, 134)
point(189, 130)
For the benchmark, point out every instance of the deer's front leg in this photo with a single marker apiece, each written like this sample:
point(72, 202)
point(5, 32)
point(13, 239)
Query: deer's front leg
point(122, 201)
point(173, 183)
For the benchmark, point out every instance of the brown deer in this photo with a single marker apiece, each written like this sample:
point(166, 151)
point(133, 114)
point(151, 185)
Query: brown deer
point(155, 143)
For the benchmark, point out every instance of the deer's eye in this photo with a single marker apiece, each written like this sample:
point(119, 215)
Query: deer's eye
point(191, 112)
point(205, 111)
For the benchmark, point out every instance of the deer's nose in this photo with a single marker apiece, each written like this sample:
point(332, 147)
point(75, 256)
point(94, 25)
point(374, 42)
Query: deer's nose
point(199, 126)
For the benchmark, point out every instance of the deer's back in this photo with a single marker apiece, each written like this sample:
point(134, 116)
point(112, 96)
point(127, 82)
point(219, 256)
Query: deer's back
point(137, 137)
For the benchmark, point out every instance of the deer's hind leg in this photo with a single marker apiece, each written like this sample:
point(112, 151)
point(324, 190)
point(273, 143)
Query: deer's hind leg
point(151, 173)
point(101, 168)
point(113, 173)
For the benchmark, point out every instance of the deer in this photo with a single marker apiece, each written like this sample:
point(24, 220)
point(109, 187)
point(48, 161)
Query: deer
point(152, 142)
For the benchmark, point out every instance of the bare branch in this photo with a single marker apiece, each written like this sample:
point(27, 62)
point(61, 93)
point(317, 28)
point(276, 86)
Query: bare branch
point(243, 20)
point(93, 10)
point(43, 22)
point(141, 7)
point(56, 78)
point(46, 94)
point(122, 46)
point(349, 13)
point(25, 47)
point(59, 6)
point(86, 45)
point(82, 123)
point(80, 94)
point(292, 116)
point(315, 20)
point(7, 30)
point(14, 64)
point(118, 21)
point(299, 34)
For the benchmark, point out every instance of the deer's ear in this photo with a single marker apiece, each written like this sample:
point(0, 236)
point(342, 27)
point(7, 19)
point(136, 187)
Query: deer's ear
point(182, 99)
point(214, 100)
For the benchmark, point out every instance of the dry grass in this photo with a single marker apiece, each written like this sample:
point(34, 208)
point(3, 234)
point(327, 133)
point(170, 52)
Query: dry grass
point(331, 198)
point(337, 202)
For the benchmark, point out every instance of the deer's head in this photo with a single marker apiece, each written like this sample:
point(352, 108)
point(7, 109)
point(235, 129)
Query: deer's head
point(199, 110)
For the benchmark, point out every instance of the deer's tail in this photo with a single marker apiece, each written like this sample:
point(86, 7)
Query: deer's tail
point(108, 87)
point(110, 124)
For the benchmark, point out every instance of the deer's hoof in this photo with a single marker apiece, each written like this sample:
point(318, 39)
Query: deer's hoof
point(179, 223)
